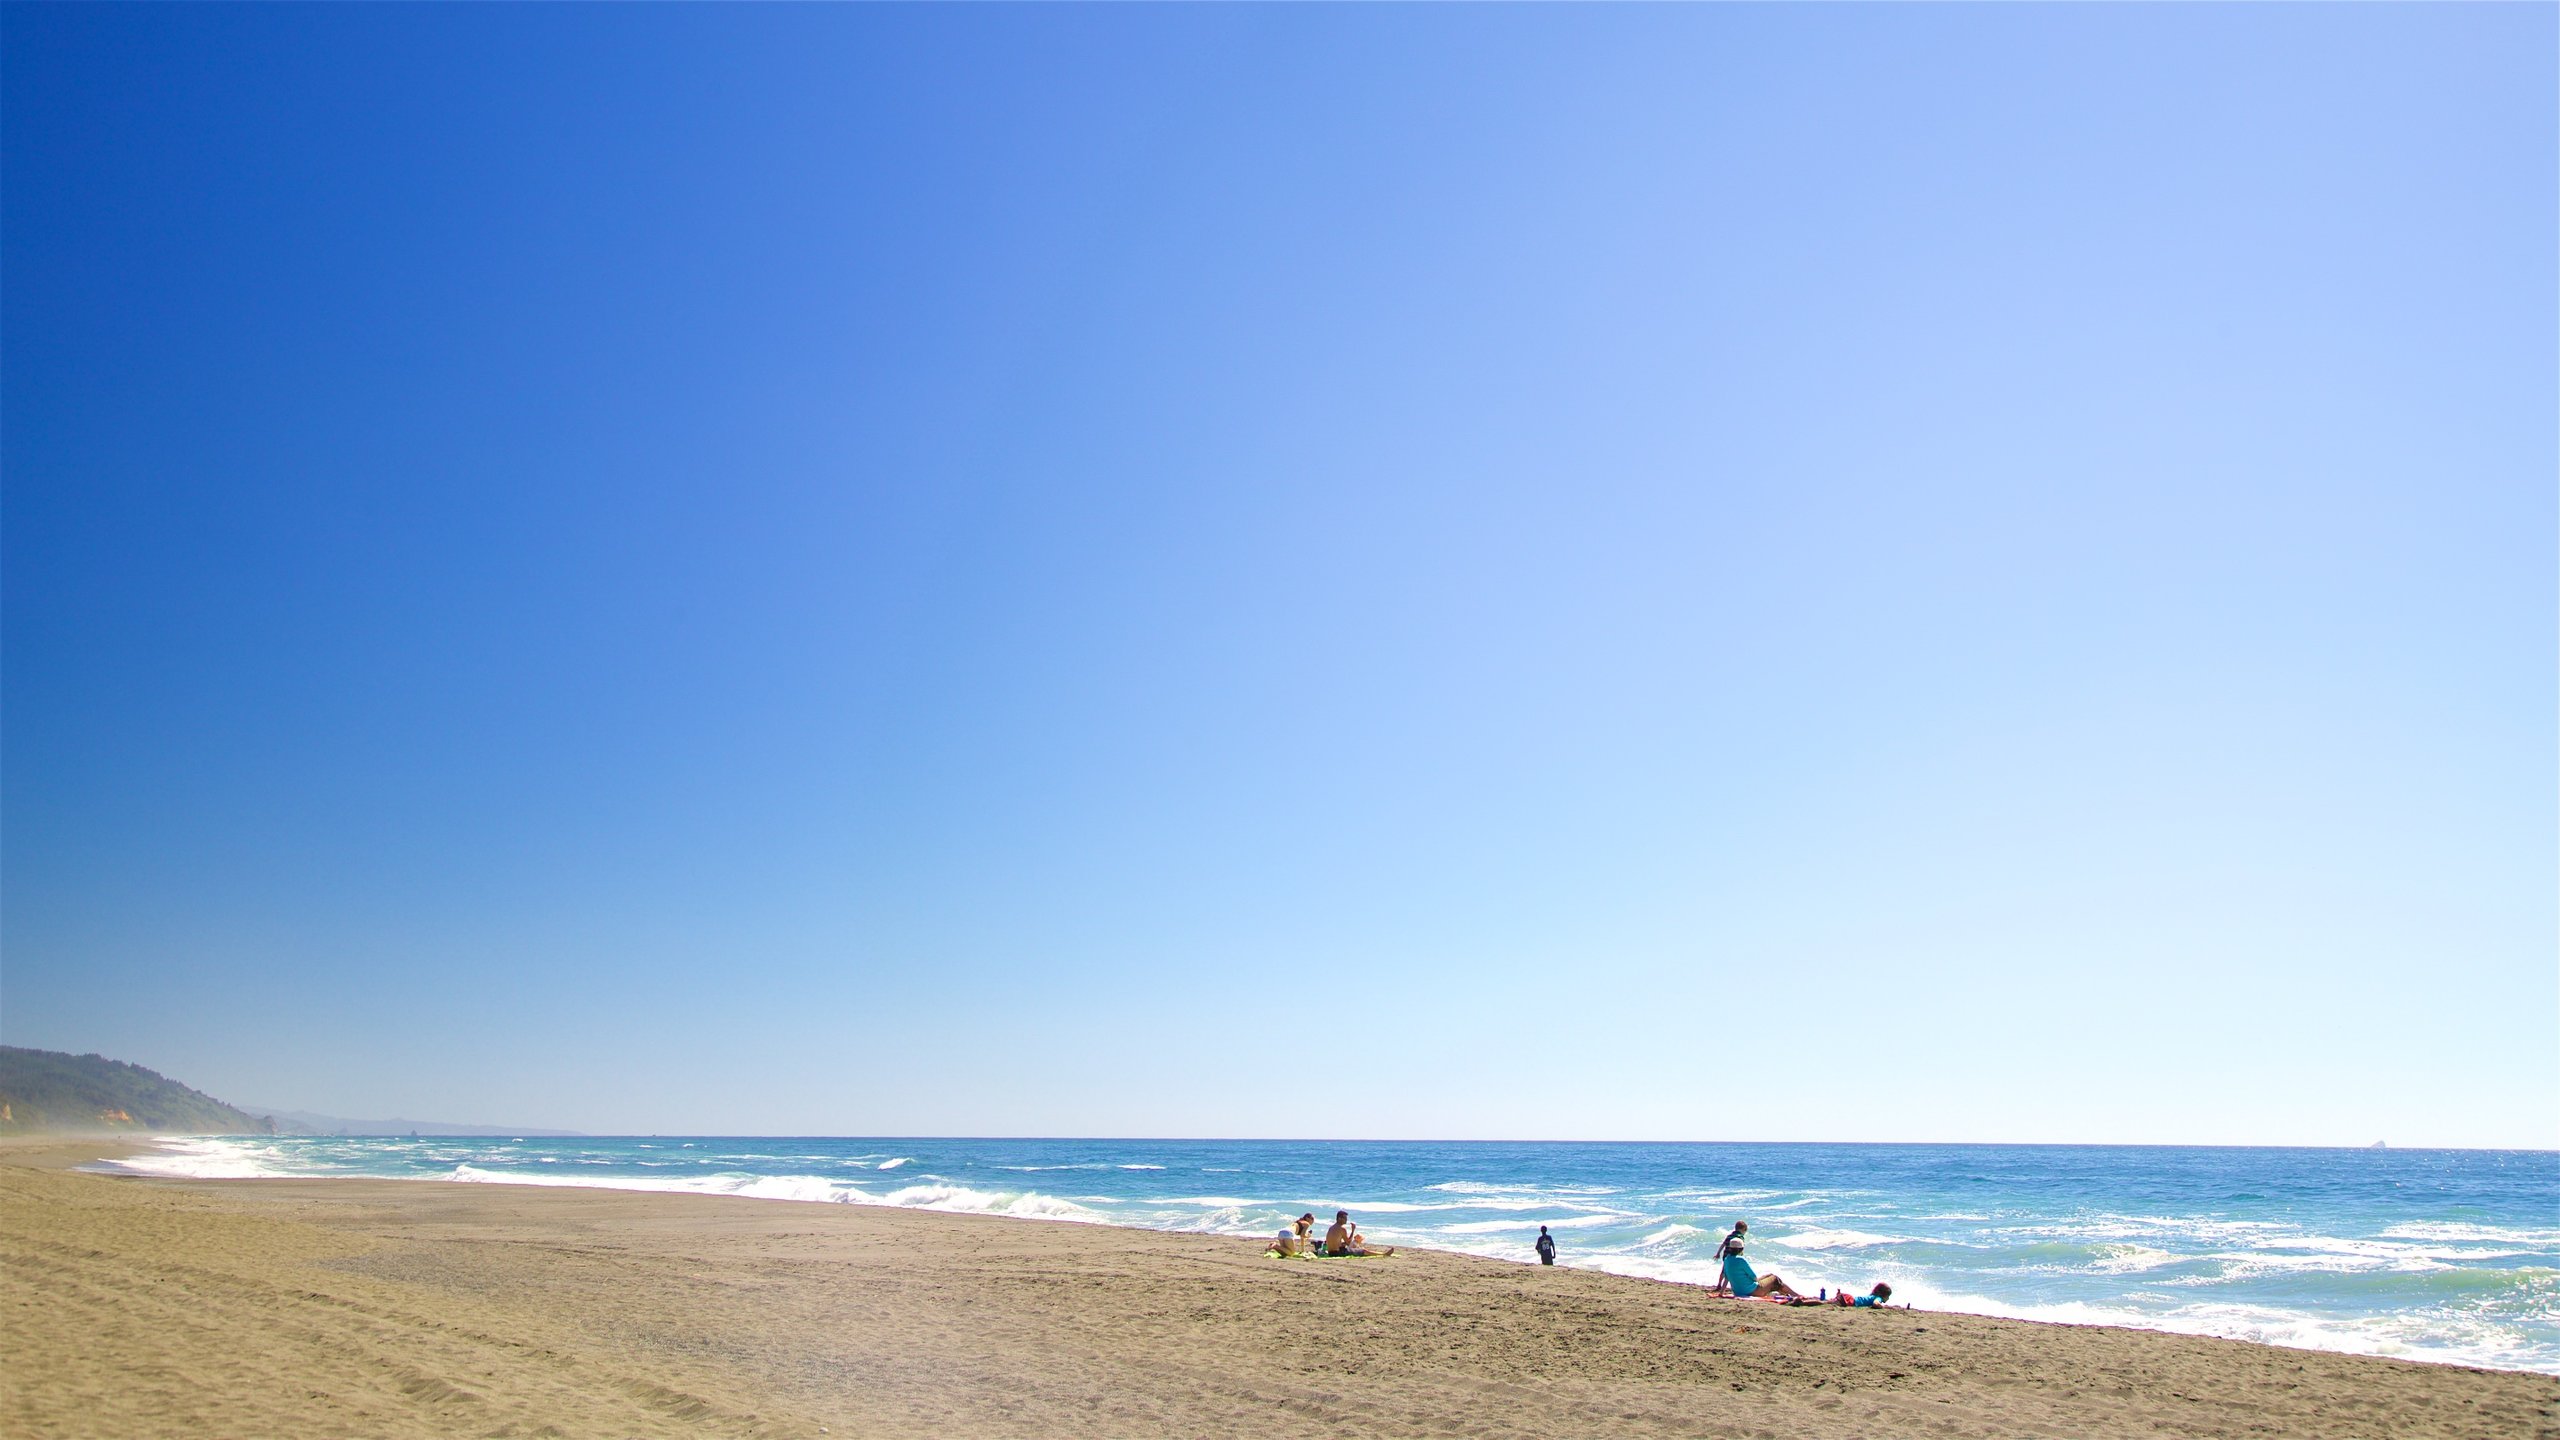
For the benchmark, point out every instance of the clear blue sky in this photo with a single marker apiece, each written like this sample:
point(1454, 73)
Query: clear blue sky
point(1793, 573)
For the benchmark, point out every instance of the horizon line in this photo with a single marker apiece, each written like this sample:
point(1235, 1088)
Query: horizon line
point(559, 1134)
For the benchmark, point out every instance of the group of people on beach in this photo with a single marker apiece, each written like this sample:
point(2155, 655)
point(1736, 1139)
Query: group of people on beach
point(1734, 1277)
point(1340, 1239)
point(1738, 1279)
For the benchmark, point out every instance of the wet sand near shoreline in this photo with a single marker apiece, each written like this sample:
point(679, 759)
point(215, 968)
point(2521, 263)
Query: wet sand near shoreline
point(295, 1308)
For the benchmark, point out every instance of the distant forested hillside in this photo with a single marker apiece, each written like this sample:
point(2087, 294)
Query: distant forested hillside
point(46, 1090)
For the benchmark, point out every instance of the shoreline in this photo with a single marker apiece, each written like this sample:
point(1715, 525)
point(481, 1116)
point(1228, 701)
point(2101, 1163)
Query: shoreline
point(1916, 1290)
point(345, 1305)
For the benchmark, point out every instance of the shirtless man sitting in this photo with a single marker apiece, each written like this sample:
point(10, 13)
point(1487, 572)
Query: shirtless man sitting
point(1344, 1238)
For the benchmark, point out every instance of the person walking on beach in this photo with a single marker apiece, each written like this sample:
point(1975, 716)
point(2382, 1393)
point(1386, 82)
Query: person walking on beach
point(1546, 1247)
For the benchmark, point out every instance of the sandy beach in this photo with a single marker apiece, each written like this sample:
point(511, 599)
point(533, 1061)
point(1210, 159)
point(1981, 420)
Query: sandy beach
point(383, 1308)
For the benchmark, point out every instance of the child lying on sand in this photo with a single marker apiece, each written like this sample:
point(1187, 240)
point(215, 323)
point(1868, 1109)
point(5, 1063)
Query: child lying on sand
point(1872, 1299)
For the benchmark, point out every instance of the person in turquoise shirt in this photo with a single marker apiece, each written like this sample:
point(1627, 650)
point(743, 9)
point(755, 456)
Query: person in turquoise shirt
point(1745, 1282)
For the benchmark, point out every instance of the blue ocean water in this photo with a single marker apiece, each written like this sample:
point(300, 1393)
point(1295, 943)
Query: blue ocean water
point(2439, 1255)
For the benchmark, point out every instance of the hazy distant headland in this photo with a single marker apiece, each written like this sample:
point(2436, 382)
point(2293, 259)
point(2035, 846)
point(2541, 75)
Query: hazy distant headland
point(48, 1092)
point(306, 1122)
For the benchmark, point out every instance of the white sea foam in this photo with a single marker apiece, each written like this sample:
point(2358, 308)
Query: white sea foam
point(1647, 1267)
point(1513, 1227)
point(1097, 1165)
point(1724, 1197)
point(2348, 1261)
point(2130, 1259)
point(804, 1188)
point(2151, 1227)
point(2484, 1343)
point(1518, 1206)
point(2332, 1253)
point(2479, 1341)
point(196, 1159)
point(1029, 1204)
point(1473, 1187)
point(893, 1163)
point(2488, 1234)
point(957, 1199)
point(1822, 1239)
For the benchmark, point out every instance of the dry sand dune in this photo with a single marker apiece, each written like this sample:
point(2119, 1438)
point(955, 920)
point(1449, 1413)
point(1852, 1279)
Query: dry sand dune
point(296, 1309)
